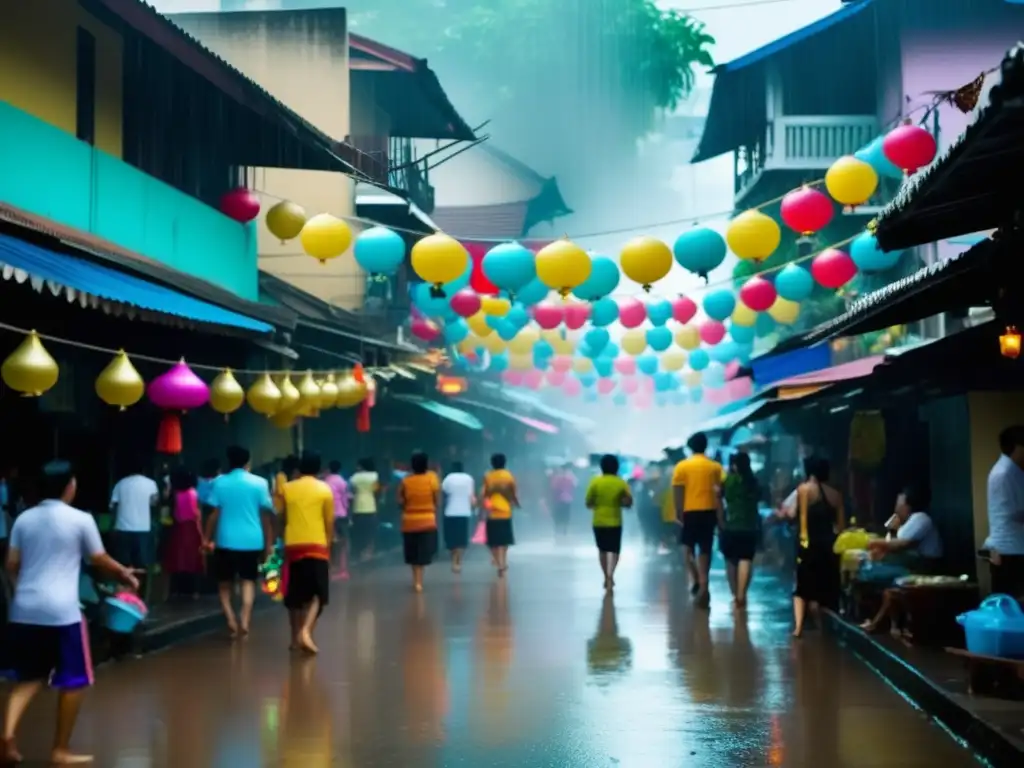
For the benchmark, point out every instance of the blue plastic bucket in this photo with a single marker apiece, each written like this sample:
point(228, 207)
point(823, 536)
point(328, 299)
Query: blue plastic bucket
point(995, 628)
point(120, 617)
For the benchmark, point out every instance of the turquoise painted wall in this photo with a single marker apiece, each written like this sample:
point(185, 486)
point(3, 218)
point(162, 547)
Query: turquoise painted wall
point(50, 173)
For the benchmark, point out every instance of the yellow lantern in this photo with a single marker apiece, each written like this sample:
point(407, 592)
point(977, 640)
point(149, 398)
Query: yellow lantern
point(692, 378)
point(350, 392)
point(328, 392)
point(523, 342)
point(264, 396)
point(562, 265)
point(562, 345)
point(439, 259)
point(520, 362)
point(495, 306)
point(634, 341)
point(309, 395)
point(478, 324)
point(582, 365)
point(851, 181)
point(687, 337)
point(743, 315)
point(645, 260)
point(289, 394)
point(325, 237)
point(29, 369)
point(284, 419)
point(673, 360)
point(468, 345)
point(784, 312)
point(226, 394)
point(752, 235)
point(494, 344)
point(285, 220)
point(119, 383)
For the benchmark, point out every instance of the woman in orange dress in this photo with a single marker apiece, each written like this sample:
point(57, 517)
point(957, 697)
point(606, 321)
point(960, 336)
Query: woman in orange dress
point(419, 497)
point(501, 497)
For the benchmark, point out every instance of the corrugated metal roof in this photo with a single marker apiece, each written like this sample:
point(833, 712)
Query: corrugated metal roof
point(469, 222)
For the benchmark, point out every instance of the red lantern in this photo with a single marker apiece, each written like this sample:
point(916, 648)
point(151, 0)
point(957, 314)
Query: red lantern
point(806, 211)
point(758, 294)
point(833, 268)
point(909, 147)
point(241, 205)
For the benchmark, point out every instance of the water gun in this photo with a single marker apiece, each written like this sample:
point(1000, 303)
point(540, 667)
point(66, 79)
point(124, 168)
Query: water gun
point(270, 571)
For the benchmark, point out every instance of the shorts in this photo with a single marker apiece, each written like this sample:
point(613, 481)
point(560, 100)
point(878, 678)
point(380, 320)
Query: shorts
point(364, 530)
point(738, 545)
point(341, 527)
point(308, 578)
point(499, 533)
point(456, 532)
point(608, 539)
point(59, 656)
point(419, 547)
point(698, 530)
point(134, 549)
point(231, 564)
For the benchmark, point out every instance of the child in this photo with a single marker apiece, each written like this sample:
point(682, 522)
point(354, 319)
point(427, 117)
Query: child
point(607, 494)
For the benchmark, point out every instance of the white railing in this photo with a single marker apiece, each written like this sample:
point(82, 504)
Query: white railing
point(816, 141)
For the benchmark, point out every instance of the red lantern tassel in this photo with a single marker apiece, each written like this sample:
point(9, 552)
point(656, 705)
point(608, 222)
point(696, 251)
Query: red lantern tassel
point(168, 435)
point(363, 416)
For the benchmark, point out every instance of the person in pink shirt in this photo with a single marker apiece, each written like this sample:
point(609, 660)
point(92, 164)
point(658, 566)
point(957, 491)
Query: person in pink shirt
point(563, 491)
point(339, 488)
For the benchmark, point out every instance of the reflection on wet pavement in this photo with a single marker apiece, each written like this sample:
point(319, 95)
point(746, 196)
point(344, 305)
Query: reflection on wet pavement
point(539, 670)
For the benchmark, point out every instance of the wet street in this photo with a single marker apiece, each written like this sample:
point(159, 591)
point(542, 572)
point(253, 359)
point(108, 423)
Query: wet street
point(536, 671)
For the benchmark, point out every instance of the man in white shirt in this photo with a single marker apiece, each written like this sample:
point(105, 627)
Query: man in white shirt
point(458, 508)
point(47, 640)
point(1005, 542)
point(132, 503)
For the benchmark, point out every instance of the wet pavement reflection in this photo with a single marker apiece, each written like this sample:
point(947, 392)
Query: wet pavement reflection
point(538, 670)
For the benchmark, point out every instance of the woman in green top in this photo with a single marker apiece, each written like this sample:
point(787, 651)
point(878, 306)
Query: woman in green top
point(740, 526)
point(607, 494)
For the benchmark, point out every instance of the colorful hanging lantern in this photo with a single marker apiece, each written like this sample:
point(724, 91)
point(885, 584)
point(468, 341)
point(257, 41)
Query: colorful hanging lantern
point(909, 147)
point(328, 392)
point(632, 312)
point(743, 315)
point(868, 256)
point(379, 251)
point(604, 312)
point(673, 360)
point(659, 311)
point(645, 260)
point(465, 303)
point(548, 315)
point(226, 394)
point(478, 324)
point(758, 294)
point(699, 360)
point(806, 211)
point(30, 369)
point(325, 237)
point(439, 259)
point(699, 250)
point(687, 337)
point(119, 384)
point(290, 396)
point(582, 365)
point(711, 332)
point(794, 283)
point(522, 343)
point(309, 395)
point(285, 220)
point(633, 341)
point(659, 338)
point(424, 329)
point(603, 280)
point(495, 306)
point(719, 304)
point(264, 396)
point(833, 268)
point(874, 155)
point(851, 182)
point(753, 236)
point(284, 419)
point(576, 315)
point(596, 340)
point(509, 267)
point(562, 266)
point(784, 312)
point(176, 390)
point(240, 204)
point(572, 387)
point(683, 309)
point(350, 392)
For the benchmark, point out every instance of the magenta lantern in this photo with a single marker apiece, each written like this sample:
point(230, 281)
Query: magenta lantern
point(576, 315)
point(605, 386)
point(561, 363)
point(178, 389)
point(465, 303)
point(515, 378)
point(833, 268)
point(632, 312)
point(731, 369)
point(533, 379)
point(629, 385)
point(556, 378)
point(548, 315)
point(572, 387)
point(909, 147)
point(806, 210)
point(683, 309)
point(424, 329)
point(741, 387)
point(712, 332)
point(758, 294)
point(240, 204)
point(625, 365)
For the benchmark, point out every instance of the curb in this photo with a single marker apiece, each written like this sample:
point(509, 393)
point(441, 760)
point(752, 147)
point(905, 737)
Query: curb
point(982, 737)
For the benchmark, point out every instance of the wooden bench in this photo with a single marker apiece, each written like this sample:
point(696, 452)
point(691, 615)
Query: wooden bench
point(992, 675)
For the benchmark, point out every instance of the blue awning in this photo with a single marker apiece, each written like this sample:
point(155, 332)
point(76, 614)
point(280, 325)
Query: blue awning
point(467, 420)
point(80, 279)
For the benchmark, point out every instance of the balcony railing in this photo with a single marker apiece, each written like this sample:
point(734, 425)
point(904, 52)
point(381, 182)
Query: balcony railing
point(404, 170)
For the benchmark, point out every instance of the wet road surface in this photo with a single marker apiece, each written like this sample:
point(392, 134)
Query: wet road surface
point(536, 671)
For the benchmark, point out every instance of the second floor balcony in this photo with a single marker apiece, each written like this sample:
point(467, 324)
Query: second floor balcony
point(398, 162)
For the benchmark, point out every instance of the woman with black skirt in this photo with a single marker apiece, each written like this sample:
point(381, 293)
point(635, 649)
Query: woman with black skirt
point(500, 497)
point(419, 497)
point(607, 494)
point(458, 509)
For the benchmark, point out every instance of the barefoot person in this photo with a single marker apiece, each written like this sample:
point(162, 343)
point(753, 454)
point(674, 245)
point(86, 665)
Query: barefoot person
point(696, 484)
point(501, 497)
point(739, 528)
point(308, 535)
point(46, 640)
point(607, 494)
point(459, 500)
point(419, 497)
point(240, 534)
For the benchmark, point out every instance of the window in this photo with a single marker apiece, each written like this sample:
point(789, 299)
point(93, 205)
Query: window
point(85, 101)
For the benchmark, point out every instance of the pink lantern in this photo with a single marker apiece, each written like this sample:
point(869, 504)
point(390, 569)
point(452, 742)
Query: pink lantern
point(711, 332)
point(513, 378)
point(629, 385)
point(909, 147)
point(241, 205)
point(758, 294)
point(465, 303)
point(643, 402)
point(424, 329)
point(806, 211)
point(548, 315)
point(572, 387)
point(176, 390)
point(740, 388)
point(833, 268)
point(561, 363)
point(731, 369)
point(576, 315)
point(716, 396)
point(647, 385)
point(632, 312)
point(605, 386)
point(533, 379)
point(683, 309)
point(625, 365)
point(556, 378)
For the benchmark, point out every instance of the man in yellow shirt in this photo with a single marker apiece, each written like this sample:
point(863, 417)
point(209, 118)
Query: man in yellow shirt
point(696, 491)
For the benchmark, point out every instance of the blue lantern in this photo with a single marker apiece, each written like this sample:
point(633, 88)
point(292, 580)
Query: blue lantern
point(587, 379)
point(596, 340)
point(873, 155)
point(541, 363)
point(743, 352)
point(604, 278)
point(518, 316)
point(432, 306)
point(611, 351)
point(794, 283)
point(679, 397)
point(542, 348)
point(659, 312)
point(379, 251)
point(505, 329)
point(455, 331)
point(603, 312)
point(620, 399)
point(699, 359)
point(724, 352)
point(699, 250)
point(764, 325)
point(742, 334)
point(532, 293)
point(647, 364)
point(718, 305)
point(498, 363)
point(696, 394)
point(869, 257)
point(714, 376)
point(584, 350)
point(659, 339)
point(664, 381)
point(604, 367)
point(510, 266)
